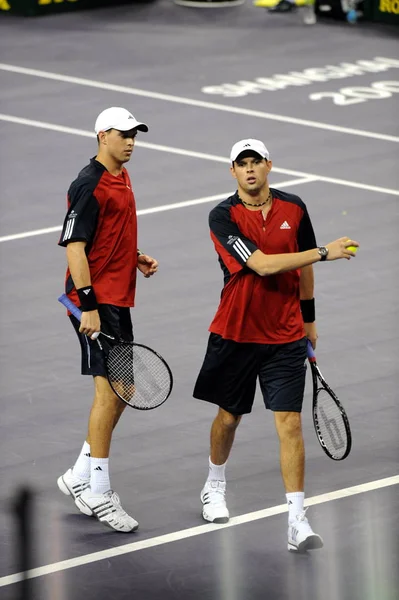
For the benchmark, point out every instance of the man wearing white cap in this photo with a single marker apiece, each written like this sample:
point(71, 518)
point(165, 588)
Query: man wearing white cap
point(100, 236)
point(266, 248)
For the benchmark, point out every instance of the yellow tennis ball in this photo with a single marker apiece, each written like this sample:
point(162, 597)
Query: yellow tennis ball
point(352, 248)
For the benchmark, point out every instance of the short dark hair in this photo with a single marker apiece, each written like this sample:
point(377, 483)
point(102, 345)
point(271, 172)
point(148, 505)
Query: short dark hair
point(98, 136)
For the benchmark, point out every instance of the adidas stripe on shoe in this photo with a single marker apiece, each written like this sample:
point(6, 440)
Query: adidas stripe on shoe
point(107, 509)
point(301, 537)
point(71, 485)
point(213, 498)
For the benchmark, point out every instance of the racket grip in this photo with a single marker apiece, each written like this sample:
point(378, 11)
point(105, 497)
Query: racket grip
point(70, 306)
point(75, 311)
point(311, 354)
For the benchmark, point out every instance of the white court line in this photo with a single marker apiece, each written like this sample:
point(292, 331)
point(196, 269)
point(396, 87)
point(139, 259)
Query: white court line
point(198, 103)
point(27, 234)
point(154, 209)
point(194, 531)
point(200, 155)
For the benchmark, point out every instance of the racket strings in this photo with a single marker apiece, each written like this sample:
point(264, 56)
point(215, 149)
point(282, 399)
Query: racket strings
point(138, 375)
point(331, 424)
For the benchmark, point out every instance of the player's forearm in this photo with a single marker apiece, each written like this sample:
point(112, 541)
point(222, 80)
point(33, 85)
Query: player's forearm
point(78, 264)
point(271, 264)
point(306, 283)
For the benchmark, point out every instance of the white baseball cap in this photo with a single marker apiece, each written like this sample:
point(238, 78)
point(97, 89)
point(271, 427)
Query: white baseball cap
point(117, 118)
point(251, 145)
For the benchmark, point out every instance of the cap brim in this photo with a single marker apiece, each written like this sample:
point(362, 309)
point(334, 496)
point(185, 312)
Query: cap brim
point(131, 124)
point(126, 126)
point(245, 154)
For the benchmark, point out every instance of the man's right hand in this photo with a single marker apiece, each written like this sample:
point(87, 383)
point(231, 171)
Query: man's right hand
point(339, 249)
point(90, 322)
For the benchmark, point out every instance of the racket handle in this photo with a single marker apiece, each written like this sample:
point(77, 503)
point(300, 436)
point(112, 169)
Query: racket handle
point(75, 311)
point(311, 354)
point(70, 306)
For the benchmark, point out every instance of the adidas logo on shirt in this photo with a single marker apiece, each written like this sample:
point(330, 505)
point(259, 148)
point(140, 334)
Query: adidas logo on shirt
point(285, 225)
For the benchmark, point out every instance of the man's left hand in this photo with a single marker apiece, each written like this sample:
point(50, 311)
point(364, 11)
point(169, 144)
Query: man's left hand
point(147, 265)
point(311, 333)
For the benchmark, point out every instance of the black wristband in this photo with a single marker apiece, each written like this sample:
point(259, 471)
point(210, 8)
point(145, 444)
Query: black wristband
point(139, 252)
point(87, 298)
point(308, 311)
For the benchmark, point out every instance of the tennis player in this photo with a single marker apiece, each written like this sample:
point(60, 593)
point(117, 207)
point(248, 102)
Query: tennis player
point(100, 237)
point(266, 248)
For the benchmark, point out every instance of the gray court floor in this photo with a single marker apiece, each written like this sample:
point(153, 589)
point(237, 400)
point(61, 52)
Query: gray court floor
point(196, 77)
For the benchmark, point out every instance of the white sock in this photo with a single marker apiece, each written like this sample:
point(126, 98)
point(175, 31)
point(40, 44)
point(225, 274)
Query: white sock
point(99, 475)
point(82, 466)
point(216, 472)
point(295, 502)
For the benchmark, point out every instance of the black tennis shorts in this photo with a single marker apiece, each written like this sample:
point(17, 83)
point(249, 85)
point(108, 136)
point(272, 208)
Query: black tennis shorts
point(116, 322)
point(230, 370)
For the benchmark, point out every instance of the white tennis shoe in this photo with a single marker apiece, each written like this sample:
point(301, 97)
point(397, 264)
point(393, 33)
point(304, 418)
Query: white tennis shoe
point(301, 537)
point(107, 509)
point(213, 498)
point(71, 485)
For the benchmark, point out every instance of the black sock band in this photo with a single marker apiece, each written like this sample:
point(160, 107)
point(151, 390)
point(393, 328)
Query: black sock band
point(87, 298)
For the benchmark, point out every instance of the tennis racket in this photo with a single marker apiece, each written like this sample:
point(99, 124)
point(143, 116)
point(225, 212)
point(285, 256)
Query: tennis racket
point(329, 417)
point(138, 375)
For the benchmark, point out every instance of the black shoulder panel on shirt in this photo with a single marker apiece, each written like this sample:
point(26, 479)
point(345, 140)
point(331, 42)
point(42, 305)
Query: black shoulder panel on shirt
point(88, 177)
point(83, 207)
point(220, 209)
point(287, 197)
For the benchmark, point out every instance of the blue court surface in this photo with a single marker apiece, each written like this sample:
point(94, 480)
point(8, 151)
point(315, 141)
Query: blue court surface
point(324, 99)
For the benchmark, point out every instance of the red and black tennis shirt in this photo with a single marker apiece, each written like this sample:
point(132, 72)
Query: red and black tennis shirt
point(264, 310)
point(102, 213)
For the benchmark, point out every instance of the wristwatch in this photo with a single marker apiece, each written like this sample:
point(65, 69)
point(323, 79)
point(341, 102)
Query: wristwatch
point(323, 251)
